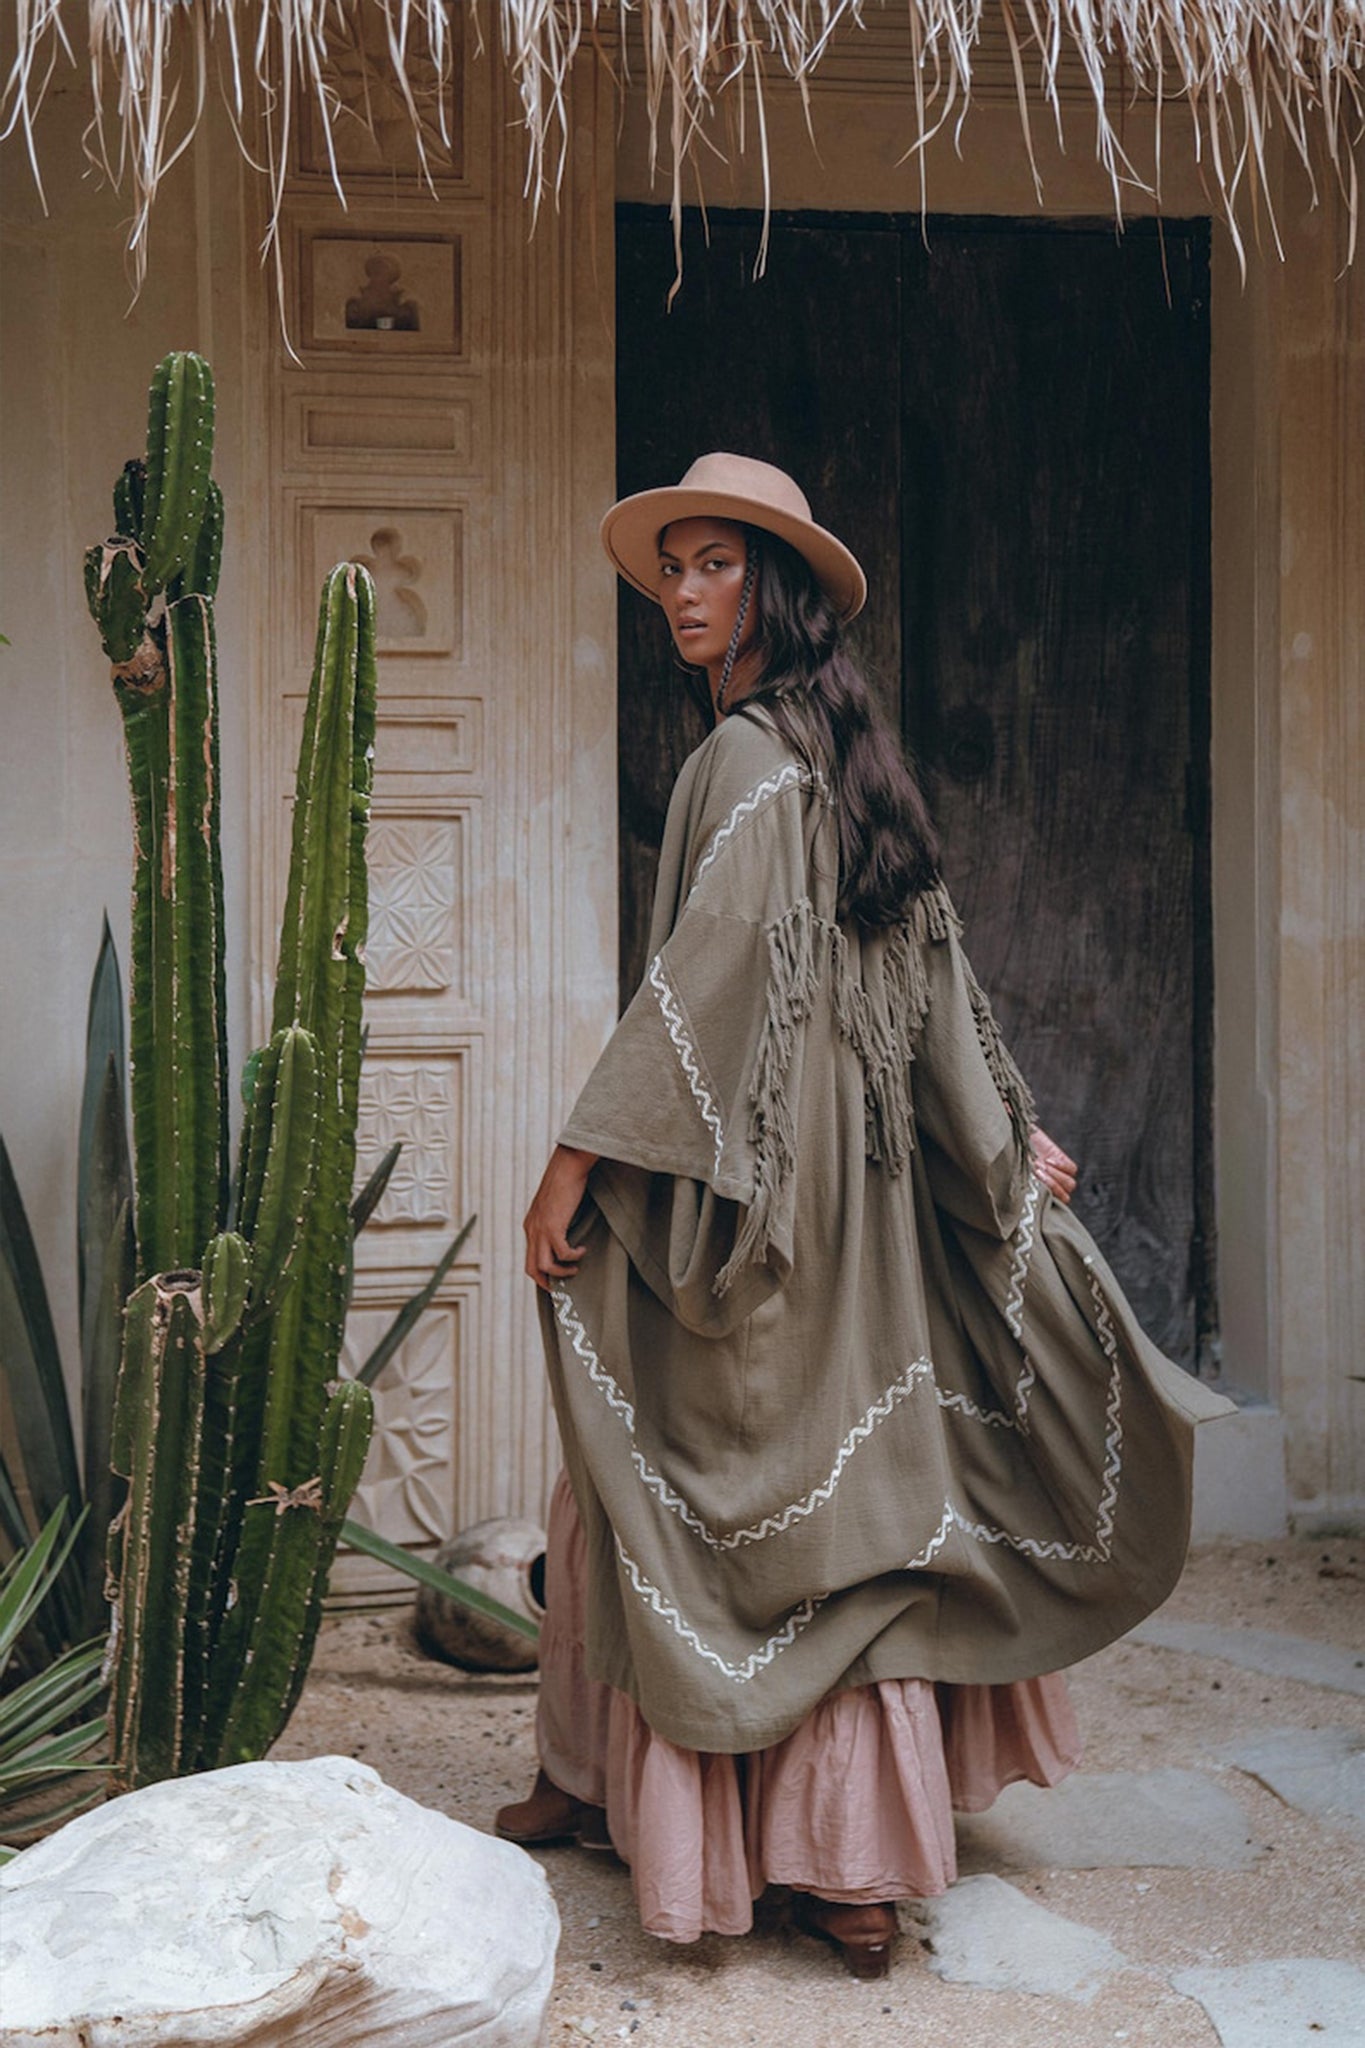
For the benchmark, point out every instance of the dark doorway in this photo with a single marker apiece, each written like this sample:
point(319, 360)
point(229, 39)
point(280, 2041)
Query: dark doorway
point(1009, 425)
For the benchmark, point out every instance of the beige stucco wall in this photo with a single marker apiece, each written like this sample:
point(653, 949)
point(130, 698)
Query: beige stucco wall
point(75, 358)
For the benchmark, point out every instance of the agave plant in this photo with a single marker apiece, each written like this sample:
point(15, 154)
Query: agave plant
point(49, 1762)
point(39, 1467)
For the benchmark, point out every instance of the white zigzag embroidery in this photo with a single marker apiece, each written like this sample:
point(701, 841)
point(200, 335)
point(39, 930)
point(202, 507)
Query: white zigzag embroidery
point(1023, 1252)
point(793, 775)
point(1097, 1551)
point(996, 1418)
point(1113, 1415)
point(578, 1337)
point(687, 1053)
point(936, 1541)
point(771, 1525)
point(796, 1621)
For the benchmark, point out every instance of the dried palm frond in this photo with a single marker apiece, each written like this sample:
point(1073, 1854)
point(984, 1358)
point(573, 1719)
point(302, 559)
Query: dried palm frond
point(1241, 68)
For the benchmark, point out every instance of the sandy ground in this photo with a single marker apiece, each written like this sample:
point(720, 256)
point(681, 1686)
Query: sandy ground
point(465, 1744)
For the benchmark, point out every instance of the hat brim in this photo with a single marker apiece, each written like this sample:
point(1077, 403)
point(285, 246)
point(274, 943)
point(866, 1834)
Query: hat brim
point(630, 535)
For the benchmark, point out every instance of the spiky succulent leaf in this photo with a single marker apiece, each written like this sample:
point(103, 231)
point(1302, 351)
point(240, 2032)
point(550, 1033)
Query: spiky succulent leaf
point(38, 1439)
point(372, 1194)
point(413, 1309)
point(371, 1544)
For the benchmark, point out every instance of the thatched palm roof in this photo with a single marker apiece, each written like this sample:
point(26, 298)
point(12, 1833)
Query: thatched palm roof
point(1240, 68)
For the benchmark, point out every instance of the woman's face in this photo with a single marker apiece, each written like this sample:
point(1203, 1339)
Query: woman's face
point(701, 580)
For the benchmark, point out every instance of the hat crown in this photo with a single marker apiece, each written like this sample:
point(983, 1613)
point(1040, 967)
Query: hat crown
point(744, 476)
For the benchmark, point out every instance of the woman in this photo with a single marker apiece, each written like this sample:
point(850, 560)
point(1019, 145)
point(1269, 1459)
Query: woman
point(863, 1439)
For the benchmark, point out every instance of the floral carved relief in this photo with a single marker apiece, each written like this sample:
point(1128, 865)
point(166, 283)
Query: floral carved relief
point(413, 943)
point(405, 1490)
point(415, 1102)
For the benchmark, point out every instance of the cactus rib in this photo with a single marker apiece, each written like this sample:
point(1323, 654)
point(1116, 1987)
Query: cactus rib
point(303, 1530)
point(179, 454)
point(157, 1420)
point(320, 985)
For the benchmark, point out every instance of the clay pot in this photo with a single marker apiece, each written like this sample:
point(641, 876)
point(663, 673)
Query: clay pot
point(504, 1558)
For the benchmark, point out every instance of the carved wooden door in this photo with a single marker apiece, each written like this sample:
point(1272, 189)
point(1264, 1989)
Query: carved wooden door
point(1010, 428)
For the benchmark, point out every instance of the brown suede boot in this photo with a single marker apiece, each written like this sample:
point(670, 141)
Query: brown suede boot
point(550, 1816)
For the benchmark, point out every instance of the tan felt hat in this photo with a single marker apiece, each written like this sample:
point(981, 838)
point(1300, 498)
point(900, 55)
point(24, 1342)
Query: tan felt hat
point(739, 488)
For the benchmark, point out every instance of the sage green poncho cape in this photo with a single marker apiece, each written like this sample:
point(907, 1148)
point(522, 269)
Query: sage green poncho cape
point(844, 1394)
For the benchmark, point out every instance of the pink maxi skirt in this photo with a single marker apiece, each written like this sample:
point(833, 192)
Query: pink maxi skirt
point(856, 1804)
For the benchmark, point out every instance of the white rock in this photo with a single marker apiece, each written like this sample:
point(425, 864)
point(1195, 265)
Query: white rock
point(305, 1904)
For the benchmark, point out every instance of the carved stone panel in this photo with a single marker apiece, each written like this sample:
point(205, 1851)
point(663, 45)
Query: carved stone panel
point(367, 127)
point(415, 555)
point(418, 938)
point(387, 298)
point(406, 1491)
point(343, 422)
point(427, 750)
point(417, 1098)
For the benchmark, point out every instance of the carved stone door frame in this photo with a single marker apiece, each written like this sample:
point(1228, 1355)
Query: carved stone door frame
point(446, 416)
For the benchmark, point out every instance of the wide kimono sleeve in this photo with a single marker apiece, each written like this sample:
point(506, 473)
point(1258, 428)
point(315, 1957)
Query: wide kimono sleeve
point(689, 1104)
point(973, 1108)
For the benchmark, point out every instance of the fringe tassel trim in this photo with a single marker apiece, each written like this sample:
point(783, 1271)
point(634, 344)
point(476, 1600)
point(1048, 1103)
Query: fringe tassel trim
point(793, 978)
point(1010, 1084)
point(933, 919)
point(883, 1037)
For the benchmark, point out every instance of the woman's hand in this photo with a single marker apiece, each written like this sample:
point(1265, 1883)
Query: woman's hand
point(1052, 1166)
point(549, 1255)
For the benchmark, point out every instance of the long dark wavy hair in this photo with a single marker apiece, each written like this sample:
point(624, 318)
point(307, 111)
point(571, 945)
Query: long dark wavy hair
point(816, 695)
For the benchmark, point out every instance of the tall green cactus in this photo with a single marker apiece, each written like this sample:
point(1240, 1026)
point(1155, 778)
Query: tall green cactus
point(240, 1453)
point(156, 623)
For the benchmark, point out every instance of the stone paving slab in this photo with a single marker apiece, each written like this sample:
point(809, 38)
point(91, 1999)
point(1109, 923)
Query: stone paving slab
point(1297, 2002)
point(986, 1934)
point(1320, 1771)
point(1259, 1649)
point(1117, 1820)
